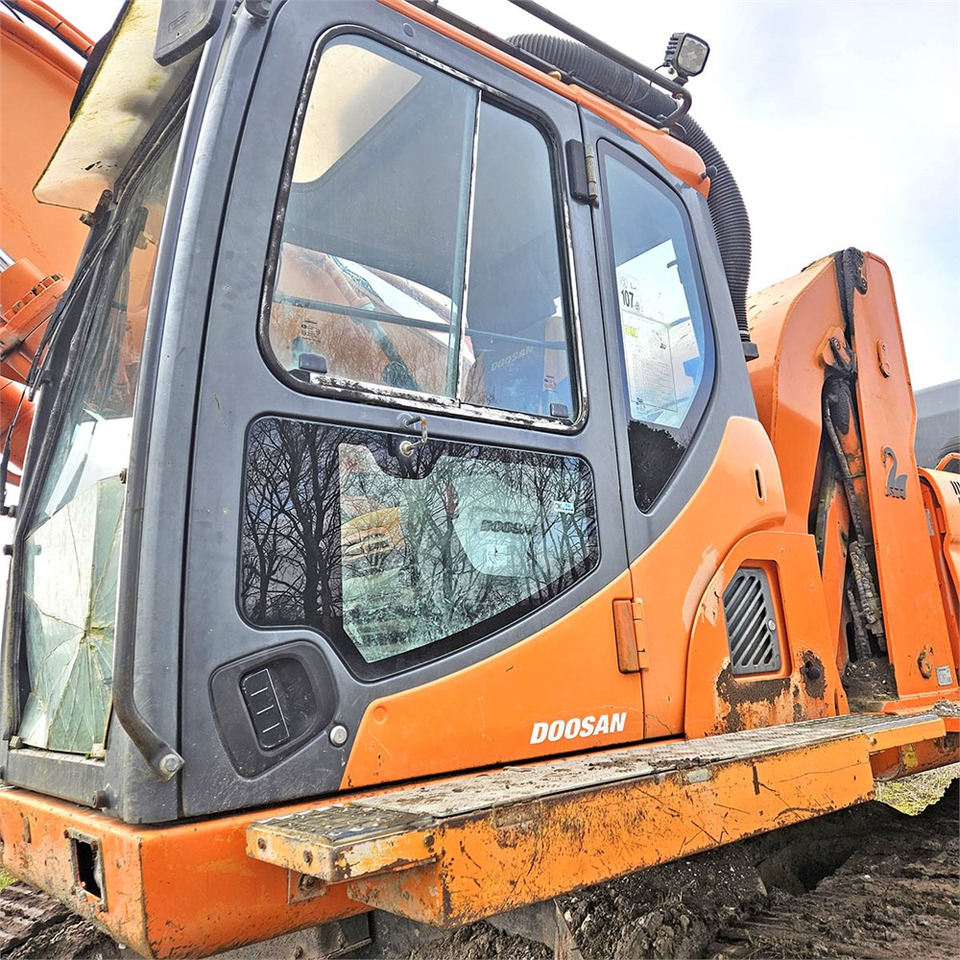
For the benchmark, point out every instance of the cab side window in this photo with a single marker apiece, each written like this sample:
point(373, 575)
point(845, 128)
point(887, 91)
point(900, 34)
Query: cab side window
point(666, 343)
point(420, 249)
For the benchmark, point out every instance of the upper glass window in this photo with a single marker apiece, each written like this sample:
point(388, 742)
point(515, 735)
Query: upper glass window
point(420, 245)
point(665, 338)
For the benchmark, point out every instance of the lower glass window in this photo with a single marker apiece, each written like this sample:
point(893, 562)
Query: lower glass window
point(398, 560)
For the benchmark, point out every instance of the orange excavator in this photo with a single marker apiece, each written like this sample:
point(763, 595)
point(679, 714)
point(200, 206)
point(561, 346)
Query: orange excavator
point(418, 516)
point(42, 61)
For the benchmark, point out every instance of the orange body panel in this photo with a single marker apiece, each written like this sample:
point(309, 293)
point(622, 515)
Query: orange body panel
point(14, 404)
point(793, 323)
point(913, 612)
point(807, 685)
point(27, 300)
point(192, 889)
point(676, 156)
point(485, 714)
point(672, 575)
point(183, 891)
point(39, 81)
point(788, 322)
point(910, 758)
point(941, 499)
point(487, 866)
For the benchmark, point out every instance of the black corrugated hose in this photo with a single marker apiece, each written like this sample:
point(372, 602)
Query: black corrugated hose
point(727, 209)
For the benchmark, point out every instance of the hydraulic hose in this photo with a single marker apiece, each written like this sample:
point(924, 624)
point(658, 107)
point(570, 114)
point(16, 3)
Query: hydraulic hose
point(727, 209)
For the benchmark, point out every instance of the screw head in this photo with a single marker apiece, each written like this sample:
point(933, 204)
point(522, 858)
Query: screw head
point(171, 763)
point(771, 624)
point(338, 735)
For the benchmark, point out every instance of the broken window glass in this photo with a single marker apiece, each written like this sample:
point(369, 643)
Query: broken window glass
point(72, 549)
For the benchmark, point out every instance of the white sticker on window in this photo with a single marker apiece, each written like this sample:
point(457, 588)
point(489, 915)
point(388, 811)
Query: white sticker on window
point(660, 349)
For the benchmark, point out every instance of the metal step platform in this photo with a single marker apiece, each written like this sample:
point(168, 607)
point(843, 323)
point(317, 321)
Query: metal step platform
point(450, 852)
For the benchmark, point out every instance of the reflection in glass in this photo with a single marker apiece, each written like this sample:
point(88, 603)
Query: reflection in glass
point(371, 260)
point(420, 247)
point(393, 558)
point(665, 339)
point(661, 323)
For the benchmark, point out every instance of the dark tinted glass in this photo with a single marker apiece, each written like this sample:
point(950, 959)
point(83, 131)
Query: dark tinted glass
point(397, 559)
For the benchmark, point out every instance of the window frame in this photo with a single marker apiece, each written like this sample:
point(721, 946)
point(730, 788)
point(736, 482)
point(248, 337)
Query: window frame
point(87, 313)
point(385, 395)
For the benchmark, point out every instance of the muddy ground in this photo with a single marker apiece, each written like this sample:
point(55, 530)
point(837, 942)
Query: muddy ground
point(867, 882)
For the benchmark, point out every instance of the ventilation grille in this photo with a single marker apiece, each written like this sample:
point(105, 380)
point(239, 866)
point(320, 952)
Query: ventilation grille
point(751, 626)
point(956, 487)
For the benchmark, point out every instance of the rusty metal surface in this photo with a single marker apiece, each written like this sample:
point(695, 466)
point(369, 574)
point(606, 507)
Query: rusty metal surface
point(551, 807)
point(488, 863)
point(533, 781)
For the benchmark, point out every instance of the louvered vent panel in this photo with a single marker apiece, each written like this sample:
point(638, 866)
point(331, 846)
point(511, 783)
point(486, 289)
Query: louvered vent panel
point(751, 626)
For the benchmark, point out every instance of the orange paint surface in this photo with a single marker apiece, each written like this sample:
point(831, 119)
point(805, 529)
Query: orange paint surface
point(914, 618)
point(789, 322)
point(485, 713)
point(942, 503)
point(672, 575)
point(484, 867)
point(39, 80)
point(732, 703)
point(792, 323)
point(183, 891)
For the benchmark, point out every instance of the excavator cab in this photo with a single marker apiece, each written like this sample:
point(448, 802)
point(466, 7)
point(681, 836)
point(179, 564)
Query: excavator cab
point(397, 423)
point(345, 365)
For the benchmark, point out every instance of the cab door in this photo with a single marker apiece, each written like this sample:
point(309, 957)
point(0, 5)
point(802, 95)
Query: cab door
point(404, 538)
point(678, 377)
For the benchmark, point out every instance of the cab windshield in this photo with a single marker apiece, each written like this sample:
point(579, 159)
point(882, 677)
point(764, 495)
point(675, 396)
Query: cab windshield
point(72, 546)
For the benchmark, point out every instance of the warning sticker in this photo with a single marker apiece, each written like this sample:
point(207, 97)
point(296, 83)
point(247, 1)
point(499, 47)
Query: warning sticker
point(648, 356)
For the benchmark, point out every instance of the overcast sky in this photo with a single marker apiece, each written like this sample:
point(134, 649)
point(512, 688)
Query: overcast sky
point(839, 119)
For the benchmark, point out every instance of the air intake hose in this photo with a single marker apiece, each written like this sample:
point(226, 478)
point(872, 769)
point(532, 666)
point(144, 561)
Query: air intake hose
point(727, 209)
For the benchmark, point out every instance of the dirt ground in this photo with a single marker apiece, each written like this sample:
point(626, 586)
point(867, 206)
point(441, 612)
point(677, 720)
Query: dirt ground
point(866, 882)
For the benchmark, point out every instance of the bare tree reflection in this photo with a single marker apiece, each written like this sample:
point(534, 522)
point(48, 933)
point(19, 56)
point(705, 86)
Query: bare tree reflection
point(390, 555)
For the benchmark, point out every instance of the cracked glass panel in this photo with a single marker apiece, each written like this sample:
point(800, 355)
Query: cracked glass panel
point(400, 559)
point(70, 612)
point(72, 549)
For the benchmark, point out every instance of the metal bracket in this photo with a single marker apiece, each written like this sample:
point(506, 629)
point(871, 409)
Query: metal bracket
point(408, 447)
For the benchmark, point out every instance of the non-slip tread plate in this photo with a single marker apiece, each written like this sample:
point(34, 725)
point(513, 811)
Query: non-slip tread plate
point(414, 807)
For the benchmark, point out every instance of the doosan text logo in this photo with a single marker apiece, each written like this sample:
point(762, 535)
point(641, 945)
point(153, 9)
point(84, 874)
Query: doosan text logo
point(578, 727)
